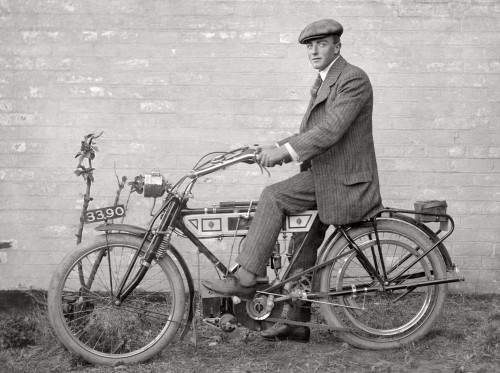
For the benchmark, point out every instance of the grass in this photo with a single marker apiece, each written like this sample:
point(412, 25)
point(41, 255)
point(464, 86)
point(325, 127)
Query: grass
point(466, 338)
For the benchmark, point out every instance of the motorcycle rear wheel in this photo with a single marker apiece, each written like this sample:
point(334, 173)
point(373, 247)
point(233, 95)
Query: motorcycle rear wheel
point(386, 318)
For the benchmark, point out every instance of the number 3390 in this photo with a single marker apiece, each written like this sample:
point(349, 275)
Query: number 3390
point(104, 213)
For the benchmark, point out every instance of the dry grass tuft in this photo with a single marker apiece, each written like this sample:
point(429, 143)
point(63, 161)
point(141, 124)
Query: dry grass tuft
point(466, 338)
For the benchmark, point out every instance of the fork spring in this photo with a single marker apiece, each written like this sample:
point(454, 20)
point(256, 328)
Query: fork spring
point(164, 246)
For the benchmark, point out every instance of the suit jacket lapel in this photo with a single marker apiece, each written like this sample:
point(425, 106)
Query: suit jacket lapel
point(330, 80)
point(324, 91)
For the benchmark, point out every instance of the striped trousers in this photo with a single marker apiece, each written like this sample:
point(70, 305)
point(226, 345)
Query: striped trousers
point(295, 194)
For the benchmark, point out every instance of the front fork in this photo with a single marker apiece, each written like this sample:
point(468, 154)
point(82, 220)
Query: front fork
point(122, 293)
point(161, 237)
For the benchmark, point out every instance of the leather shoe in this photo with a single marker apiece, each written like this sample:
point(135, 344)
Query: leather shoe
point(289, 332)
point(229, 286)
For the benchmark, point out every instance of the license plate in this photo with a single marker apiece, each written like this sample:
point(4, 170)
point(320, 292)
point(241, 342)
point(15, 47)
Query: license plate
point(104, 213)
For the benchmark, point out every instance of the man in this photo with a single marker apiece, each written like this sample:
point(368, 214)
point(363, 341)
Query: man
point(339, 170)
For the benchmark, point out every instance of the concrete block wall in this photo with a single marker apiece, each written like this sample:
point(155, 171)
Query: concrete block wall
point(169, 80)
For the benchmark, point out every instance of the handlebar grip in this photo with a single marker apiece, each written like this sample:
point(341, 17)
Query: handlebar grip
point(246, 156)
point(251, 152)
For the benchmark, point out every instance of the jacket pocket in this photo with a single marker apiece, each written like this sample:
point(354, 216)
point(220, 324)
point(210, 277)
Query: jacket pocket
point(358, 177)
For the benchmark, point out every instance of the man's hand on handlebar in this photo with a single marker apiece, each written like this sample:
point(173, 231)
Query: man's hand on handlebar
point(272, 155)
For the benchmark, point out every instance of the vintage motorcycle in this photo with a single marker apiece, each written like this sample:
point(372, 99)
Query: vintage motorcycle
point(124, 297)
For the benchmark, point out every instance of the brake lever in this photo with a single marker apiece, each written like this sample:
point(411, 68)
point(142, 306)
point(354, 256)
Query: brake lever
point(262, 168)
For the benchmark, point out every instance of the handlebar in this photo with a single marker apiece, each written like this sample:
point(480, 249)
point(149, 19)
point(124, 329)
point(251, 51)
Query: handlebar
point(247, 155)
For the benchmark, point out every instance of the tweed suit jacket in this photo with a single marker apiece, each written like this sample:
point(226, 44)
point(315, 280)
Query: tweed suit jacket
point(336, 138)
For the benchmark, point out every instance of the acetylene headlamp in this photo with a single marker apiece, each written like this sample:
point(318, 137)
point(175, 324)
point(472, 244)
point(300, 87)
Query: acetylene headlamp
point(154, 185)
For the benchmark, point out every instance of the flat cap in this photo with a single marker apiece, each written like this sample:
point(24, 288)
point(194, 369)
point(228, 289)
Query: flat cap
point(321, 28)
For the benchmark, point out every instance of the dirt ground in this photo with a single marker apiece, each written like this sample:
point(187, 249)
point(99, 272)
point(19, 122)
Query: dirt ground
point(466, 338)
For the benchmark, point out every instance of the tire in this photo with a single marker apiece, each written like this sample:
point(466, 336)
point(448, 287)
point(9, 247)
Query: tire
point(89, 324)
point(377, 320)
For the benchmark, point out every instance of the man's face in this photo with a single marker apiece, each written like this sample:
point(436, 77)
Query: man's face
point(322, 52)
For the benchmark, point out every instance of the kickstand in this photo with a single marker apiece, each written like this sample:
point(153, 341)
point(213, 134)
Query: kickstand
point(193, 322)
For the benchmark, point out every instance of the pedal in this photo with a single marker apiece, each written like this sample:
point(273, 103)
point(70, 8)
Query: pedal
point(262, 280)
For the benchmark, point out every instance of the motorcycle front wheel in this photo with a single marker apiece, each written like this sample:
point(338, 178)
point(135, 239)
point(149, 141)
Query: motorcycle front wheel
point(83, 310)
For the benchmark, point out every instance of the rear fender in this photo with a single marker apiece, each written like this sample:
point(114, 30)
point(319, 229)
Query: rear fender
point(433, 237)
point(336, 235)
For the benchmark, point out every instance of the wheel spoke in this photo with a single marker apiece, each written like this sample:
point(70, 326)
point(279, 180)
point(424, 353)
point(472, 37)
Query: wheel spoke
point(151, 314)
point(385, 317)
point(381, 314)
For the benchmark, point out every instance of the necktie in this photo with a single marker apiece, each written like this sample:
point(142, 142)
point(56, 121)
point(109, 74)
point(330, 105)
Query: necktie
point(315, 86)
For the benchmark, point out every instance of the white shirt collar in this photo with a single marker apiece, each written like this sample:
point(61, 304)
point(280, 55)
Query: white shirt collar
point(323, 72)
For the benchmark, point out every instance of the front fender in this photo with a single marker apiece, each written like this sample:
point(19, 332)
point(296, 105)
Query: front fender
point(126, 228)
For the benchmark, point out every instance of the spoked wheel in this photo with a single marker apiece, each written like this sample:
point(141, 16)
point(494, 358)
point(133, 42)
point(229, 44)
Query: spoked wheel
point(84, 314)
point(384, 318)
